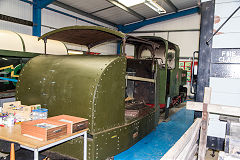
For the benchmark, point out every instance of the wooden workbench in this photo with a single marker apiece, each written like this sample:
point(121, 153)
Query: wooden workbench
point(14, 134)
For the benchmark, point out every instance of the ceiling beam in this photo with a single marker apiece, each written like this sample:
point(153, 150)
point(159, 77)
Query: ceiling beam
point(131, 27)
point(102, 9)
point(162, 31)
point(127, 9)
point(83, 13)
point(44, 3)
point(170, 4)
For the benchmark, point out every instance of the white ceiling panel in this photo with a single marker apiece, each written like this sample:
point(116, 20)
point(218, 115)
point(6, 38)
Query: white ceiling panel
point(165, 6)
point(144, 10)
point(184, 4)
point(87, 5)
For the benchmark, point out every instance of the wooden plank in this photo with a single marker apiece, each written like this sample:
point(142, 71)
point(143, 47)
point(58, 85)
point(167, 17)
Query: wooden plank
point(192, 142)
point(226, 156)
point(174, 152)
point(204, 126)
point(192, 153)
point(215, 108)
point(207, 95)
point(140, 79)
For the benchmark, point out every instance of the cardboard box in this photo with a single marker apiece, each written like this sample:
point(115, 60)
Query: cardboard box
point(43, 129)
point(74, 124)
point(36, 106)
point(21, 112)
point(9, 105)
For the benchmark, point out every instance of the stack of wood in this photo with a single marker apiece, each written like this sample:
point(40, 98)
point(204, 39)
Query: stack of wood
point(232, 142)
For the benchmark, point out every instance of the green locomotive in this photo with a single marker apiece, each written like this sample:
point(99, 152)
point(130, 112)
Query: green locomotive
point(119, 96)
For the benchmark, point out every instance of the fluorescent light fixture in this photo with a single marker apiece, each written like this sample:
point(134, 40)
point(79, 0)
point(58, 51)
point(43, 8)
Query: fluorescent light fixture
point(156, 7)
point(150, 3)
point(72, 52)
point(130, 3)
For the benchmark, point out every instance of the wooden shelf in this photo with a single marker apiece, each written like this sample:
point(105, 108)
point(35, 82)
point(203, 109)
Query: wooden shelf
point(134, 78)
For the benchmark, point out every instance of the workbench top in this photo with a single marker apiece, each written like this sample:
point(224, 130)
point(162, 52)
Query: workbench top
point(14, 134)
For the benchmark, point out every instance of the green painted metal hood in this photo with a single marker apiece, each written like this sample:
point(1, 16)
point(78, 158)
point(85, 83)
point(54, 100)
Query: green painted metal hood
point(91, 87)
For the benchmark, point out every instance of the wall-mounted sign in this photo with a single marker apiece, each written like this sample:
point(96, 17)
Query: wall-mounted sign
point(225, 56)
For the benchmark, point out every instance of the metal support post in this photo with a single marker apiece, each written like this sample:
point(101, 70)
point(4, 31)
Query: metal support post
point(85, 146)
point(36, 19)
point(35, 154)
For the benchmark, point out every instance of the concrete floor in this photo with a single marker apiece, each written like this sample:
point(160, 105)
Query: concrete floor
point(209, 157)
point(172, 111)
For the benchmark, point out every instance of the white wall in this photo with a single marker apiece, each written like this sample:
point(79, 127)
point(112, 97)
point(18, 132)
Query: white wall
point(187, 41)
point(18, 9)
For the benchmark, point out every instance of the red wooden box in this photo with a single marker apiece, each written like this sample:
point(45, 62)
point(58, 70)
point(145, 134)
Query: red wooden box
point(43, 129)
point(74, 124)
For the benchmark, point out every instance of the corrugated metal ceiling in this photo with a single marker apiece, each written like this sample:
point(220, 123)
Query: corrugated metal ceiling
point(105, 10)
point(116, 15)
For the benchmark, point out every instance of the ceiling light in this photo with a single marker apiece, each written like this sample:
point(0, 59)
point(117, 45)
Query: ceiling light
point(150, 3)
point(72, 52)
point(156, 7)
point(129, 3)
